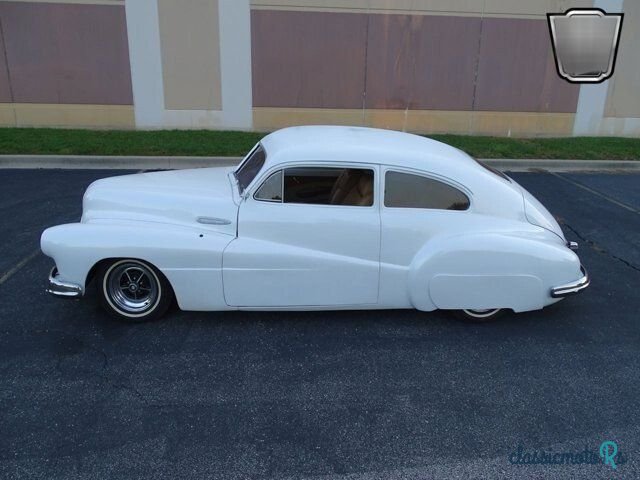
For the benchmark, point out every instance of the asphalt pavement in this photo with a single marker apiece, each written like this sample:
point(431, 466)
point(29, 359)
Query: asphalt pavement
point(359, 394)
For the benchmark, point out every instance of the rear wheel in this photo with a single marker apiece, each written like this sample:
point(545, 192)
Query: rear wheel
point(134, 291)
point(479, 316)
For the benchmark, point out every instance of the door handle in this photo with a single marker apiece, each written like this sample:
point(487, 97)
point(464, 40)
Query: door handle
point(213, 221)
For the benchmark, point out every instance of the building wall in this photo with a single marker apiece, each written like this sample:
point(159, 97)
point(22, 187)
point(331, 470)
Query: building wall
point(455, 66)
point(408, 69)
point(64, 63)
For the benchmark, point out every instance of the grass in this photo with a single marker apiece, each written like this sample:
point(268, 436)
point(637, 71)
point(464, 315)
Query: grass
point(49, 141)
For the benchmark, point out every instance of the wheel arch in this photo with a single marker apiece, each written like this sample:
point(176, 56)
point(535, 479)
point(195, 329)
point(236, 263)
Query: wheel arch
point(190, 259)
point(103, 263)
point(488, 270)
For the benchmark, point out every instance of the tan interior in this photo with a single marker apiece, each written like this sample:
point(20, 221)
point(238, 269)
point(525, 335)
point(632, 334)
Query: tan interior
point(353, 187)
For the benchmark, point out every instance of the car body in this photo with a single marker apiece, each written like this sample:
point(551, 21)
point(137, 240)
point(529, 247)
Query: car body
point(323, 217)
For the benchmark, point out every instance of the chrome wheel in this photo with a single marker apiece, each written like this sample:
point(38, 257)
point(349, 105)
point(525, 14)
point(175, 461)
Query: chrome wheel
point(482, 314)
point(132, 288)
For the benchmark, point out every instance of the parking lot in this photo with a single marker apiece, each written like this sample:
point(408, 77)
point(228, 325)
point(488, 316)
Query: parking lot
point(356, 394)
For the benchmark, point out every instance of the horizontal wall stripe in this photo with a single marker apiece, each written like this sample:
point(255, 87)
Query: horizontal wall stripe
point(473, 8)
point(421, 62)
point(515, 124)
point(81, 2)
point(66, 115)
point(302, 59)
point(355, 60)
point(66, 53)
point(517, 71)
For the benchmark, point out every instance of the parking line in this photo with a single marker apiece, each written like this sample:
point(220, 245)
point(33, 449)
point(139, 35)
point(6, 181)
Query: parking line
point(19, 265)
point(595, 192)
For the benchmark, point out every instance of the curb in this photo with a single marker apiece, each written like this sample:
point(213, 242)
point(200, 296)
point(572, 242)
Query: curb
point(73, 162)
point(169, 163)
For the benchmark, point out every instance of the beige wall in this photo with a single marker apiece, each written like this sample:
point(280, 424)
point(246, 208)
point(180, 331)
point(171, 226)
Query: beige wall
point(190, 44)
point(66, 115)
point(517, 124)
point(623, 98)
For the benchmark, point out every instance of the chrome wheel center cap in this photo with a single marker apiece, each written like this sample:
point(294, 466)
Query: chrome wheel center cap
point(133, 287)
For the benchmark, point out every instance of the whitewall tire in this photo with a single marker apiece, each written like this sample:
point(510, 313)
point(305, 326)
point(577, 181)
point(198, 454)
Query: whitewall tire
point(133, 290)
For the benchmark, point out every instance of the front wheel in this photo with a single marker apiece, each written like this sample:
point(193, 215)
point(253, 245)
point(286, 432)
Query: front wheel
point(479, 316)
point(134, 291)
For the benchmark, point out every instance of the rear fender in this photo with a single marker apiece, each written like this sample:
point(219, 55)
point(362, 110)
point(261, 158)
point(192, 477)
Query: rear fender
point(489, 270)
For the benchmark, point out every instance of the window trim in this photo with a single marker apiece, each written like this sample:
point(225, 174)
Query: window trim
point(278, 170)
point(320, 164)
point(430, 176)
point(243, 192)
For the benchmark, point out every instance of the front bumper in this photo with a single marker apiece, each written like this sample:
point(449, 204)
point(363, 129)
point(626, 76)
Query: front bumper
point(62, 289)
point(573, 287)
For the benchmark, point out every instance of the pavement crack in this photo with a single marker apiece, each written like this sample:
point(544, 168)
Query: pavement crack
point(599, 249)
point(116, 385)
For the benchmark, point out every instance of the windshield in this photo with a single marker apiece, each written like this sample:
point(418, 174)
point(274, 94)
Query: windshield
point(250, 168)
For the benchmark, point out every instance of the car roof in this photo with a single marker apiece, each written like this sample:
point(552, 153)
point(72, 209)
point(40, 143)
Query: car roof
point(368, 145)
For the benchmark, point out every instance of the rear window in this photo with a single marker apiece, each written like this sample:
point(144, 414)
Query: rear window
point(250, 168)
point(403, 190)
point(495, 171)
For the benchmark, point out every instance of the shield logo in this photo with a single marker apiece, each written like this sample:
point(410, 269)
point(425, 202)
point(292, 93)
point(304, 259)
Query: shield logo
point(585, 43)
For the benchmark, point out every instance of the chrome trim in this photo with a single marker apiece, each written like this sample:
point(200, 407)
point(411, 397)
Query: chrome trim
point(573, 287)
point(213, 221)
point(572, 245)
point(62, 289)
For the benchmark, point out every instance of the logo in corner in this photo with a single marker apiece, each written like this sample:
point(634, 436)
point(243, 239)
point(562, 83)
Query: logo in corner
point(608, 452)
point(585, 43)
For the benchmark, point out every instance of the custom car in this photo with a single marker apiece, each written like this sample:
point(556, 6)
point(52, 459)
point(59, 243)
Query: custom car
point(318, 218)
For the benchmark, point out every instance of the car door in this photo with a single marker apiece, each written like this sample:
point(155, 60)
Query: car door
point(308, 235)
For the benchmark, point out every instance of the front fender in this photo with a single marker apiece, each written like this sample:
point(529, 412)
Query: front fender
point(489, 270)
point(190, 259)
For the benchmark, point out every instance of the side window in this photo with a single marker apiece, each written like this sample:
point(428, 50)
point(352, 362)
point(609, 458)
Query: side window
point(271, 188)
point(403, 190)
point(328, 186)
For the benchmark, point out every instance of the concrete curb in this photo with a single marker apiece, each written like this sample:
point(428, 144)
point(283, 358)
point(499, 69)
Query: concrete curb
point(163, 163)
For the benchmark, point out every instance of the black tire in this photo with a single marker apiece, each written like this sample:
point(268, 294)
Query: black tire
point(133, 291)
point(479, 316)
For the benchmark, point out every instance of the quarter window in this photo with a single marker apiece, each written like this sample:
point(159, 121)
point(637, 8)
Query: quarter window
point(271, 189)
point(403, 190)
point(250, 168)
point(319, 186)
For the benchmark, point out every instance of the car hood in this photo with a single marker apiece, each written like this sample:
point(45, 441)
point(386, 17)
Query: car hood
point(200, 198)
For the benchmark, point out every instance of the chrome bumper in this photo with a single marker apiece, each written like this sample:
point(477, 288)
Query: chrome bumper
point(62, 289)
point(573, 287)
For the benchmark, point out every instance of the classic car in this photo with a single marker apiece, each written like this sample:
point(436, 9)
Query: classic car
point(318, 217)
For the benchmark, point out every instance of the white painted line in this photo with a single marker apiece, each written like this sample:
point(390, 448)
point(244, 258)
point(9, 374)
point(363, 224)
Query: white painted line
point(19, 265)
point(597, 193)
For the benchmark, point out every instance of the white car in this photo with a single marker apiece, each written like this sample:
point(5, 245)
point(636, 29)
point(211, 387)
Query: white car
point(323, 218)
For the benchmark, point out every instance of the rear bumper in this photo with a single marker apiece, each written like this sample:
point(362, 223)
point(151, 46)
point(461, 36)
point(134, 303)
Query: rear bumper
point(573, 287)
point(62, 289)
